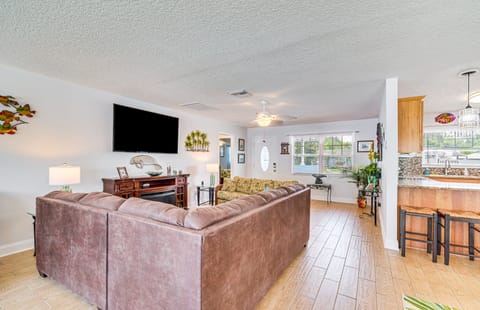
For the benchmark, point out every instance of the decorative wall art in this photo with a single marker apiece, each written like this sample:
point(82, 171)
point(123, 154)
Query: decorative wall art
point(284, 148)
point(241, 145)
point(364, 146)
point(12, 116)
point(197, 141)
point(241, 158)
point(380, 140)
point(445, 118)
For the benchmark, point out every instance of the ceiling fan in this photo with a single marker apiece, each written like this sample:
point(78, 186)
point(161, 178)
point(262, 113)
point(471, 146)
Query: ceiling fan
point(266, 118)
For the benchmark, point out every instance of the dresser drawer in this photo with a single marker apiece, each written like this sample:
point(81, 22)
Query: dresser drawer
point(124, 186)
point(180, 180)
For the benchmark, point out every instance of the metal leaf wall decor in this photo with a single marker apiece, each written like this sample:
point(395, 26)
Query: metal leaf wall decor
point(13, 114)
point(197, 141)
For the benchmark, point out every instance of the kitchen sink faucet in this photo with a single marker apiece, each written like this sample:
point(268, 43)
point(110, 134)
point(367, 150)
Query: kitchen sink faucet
point(447, 166)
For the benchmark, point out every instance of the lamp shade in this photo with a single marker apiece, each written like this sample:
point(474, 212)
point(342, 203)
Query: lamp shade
point(64, 175)
point(212, 168)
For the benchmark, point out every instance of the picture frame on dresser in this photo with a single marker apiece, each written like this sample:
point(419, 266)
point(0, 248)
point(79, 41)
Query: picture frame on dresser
point(122, 172)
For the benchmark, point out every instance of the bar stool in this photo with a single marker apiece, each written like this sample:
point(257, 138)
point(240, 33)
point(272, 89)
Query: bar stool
point(431, 234)
point(448, 216)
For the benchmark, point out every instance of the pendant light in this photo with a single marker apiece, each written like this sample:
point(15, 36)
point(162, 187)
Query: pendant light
point(469, 117)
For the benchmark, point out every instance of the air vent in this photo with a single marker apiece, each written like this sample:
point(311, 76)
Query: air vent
point(196, 106)
point(241, 94)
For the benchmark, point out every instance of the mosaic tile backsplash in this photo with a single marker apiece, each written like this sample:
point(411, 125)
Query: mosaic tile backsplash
point(412, 166)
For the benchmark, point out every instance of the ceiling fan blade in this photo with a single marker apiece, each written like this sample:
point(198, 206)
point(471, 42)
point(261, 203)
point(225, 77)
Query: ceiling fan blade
point(286, 117)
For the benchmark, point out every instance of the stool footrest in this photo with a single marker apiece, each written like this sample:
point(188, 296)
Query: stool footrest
point(419, 240)
point(416, 233)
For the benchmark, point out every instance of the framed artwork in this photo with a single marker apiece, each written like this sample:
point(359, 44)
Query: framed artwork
point(241, 145)
point(241, 158)
point(380, 140)
point(284, 148)
point(222, 151)
point(122, 172)
point(363, 146)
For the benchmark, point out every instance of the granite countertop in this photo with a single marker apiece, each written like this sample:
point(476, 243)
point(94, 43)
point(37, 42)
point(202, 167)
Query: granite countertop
point(421, 182)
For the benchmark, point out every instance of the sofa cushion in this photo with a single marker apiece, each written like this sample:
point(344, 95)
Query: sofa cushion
point(202, 217)
point(229, 195)
point(293, 188)
point(229, 185)
point(258, 185)
point(156, 210)
point(251, 202)
point(73, 197)
point(102, 200)
point(273, 194)
point(243, 185)
point(277, 184)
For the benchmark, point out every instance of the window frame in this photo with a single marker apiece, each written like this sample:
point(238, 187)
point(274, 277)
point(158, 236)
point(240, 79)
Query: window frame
point(322, 138)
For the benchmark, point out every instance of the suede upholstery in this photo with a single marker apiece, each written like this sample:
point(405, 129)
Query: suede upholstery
point(151, 255)
point(71, 245)
point(102, 200)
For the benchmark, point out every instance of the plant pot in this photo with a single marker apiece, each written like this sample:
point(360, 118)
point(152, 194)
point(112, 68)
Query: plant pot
point(361, 202)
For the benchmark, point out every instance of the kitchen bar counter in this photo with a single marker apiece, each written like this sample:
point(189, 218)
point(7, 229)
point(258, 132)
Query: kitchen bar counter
point(424, 192)
point(425, 182)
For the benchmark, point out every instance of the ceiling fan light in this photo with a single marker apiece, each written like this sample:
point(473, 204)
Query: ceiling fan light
point(264, 121)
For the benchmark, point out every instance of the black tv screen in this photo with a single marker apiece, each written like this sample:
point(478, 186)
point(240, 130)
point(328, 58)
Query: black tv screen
point(136, 130)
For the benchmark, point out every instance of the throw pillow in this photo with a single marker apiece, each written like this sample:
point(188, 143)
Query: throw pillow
point(229, 185)
point(243, 185)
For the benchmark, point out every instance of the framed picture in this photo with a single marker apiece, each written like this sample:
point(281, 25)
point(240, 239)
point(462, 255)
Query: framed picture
point(241, 145)
point(241, 158)
point(222, 151)
point(122, 172)
point(363, 146)
point(284, 148)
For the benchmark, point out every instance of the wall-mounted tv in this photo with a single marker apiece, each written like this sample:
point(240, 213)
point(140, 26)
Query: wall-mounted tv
point(137, 130)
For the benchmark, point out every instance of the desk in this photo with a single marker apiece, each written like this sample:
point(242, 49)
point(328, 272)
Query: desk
point(211, 194)
point(327, 187)
point(373, 194)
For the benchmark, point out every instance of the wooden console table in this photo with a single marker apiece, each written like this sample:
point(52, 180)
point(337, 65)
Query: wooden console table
point(138, 186)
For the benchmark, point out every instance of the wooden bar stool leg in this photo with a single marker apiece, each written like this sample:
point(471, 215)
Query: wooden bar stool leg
point(446, 239)
point(402, 231)
point(435, 237)
point(438, 227)
point(429, 234)
point(471, 242)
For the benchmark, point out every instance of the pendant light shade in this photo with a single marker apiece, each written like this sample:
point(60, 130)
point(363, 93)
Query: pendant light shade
point(469, 117)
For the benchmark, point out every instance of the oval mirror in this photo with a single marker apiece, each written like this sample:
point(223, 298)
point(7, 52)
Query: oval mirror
point(264, 158)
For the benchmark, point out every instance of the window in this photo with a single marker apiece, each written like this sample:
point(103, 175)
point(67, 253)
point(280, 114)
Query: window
point(459, 147)
point(322, 153)
point(264, 158)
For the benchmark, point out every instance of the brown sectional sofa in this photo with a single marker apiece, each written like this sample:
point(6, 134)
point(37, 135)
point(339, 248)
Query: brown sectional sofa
point(241, 187)
point(141, 254)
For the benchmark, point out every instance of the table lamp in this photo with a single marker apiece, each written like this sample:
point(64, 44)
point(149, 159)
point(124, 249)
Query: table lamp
point(64, 175)
point(212, 168)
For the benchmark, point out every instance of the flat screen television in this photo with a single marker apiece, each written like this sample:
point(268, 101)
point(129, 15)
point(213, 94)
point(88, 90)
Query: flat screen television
point(137, 130)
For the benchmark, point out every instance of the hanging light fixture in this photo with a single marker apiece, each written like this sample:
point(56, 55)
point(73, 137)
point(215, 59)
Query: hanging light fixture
point(469, 117)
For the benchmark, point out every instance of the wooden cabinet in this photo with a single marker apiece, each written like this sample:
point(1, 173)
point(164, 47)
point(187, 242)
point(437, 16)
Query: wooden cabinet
point(410, 124)
point(155, 188)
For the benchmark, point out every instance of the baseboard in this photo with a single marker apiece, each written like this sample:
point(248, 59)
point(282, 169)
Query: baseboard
point(323, 197)
point(16, 247)
point(391, 244)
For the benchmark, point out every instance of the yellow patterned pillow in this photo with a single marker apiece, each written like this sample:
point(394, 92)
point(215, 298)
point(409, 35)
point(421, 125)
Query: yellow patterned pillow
point(243, 185)
point(277, 184)
point(229, 185)
point(256, 186)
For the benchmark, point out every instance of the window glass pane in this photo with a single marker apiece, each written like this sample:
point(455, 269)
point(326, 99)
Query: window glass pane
point(457, 146)
point(264, 158)
point(334, 152)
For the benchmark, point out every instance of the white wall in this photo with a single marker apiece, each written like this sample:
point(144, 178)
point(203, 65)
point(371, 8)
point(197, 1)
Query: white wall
point(342, 189)
point(74, 124)
point(389, 181)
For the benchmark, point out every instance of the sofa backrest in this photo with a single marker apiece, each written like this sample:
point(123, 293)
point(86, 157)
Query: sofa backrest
point(253, 185)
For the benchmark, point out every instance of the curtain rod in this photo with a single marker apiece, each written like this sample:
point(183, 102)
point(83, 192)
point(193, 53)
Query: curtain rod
point(322, 133)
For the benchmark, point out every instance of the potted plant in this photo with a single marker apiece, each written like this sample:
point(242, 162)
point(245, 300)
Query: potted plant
point(360, 178)
point(366, 178)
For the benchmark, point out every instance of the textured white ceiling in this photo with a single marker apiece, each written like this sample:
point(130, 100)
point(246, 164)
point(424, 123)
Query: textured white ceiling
point(316, 60)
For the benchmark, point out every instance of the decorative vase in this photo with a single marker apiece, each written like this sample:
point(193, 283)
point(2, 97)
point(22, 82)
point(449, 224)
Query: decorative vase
point(361, 202)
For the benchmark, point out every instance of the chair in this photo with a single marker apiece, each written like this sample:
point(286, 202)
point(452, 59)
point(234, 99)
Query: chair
point(431, 235)
point(448, 216)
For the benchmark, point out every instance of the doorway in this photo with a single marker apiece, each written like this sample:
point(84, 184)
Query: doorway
point(225, 156)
